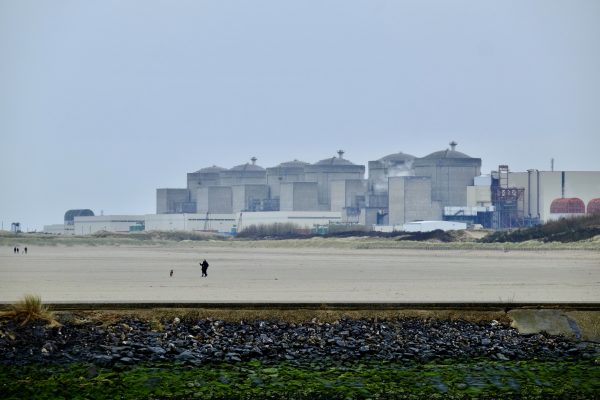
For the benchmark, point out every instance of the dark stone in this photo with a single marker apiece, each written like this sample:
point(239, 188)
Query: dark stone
point(157, 350)
point(185, 356)
point(233, 357)
point(102, 360)
point(130, 341)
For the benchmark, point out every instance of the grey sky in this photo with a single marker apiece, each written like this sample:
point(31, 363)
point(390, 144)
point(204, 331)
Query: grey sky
point(102, 102)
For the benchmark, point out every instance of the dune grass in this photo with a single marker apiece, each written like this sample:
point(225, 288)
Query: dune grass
point(190, 239)
point(30, 308)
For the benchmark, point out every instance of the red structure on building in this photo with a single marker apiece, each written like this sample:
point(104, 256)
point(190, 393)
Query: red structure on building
point(593, 206)
point(571, 205)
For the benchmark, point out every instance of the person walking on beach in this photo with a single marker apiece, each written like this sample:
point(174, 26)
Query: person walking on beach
point(204, 266)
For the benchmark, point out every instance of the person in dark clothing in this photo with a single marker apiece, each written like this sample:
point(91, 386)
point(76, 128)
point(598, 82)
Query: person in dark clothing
point(204, 266)
point(15, 250)
point(171, 273)
point(25, 249)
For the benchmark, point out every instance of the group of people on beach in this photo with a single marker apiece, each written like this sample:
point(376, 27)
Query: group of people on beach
point(16, 250)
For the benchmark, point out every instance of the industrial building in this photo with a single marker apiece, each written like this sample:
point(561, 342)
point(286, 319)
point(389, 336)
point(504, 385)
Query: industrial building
point(290, 186)
point(68, 226)
point(230, 223)
point(405, 188)
point(400, 189)
point(507, 199)
point(550, 195)
point(450, 172)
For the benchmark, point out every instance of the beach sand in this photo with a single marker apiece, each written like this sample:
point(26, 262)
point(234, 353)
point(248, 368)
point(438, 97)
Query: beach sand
point(262, 274)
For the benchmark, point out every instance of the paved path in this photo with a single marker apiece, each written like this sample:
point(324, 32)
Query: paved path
point(141, 273)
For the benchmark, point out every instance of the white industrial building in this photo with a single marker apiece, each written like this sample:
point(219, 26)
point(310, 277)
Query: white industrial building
point(207, 222)
point(545, 188)
point(422, 226)
point(527, 198)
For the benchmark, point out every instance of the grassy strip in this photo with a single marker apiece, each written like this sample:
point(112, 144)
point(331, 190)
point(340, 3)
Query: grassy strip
point(324, 380)
point(361, 243)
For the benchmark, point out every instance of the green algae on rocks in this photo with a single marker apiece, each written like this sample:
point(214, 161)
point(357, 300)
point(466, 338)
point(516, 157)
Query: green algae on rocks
point(316, 380)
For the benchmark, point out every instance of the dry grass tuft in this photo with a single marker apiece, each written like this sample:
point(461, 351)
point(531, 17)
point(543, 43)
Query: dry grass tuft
point(30, 308)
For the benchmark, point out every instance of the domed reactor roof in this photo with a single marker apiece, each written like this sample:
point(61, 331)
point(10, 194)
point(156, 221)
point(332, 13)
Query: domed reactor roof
point(448, 153)
point(571, 205)
point(293, 164)
point(339, 160)
point(71, 214)
point(593, 206)
point(211, 170)
point(334, 161)
point(248, 166)
point(397, 158)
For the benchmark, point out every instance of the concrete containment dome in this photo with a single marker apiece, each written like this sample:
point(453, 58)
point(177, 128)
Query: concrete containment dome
point(244, 174)
point(436, 155)
point(288, 168)
point(211, 170)
point(293, 164)
point(397, 158)
point(448, 153)
point(593, 206)
point(571, 205)
point(334, 161)
point(451, 172)
point(247, 167)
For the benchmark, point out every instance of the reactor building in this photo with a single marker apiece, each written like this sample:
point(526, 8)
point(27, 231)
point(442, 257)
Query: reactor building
point(400, 188)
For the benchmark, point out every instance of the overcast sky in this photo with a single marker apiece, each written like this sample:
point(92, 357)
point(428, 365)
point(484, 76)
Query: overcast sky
point(102, 102)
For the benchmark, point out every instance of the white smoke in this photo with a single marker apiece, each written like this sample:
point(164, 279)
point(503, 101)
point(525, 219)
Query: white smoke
point(381, 184)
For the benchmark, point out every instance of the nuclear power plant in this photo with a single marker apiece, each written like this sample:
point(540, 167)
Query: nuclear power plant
point(400, 188)
point(441, 190)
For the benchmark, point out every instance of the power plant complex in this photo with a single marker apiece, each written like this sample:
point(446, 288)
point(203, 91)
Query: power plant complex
point(442, 190)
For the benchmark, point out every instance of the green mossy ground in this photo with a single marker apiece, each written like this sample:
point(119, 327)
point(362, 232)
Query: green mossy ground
point(481, 379)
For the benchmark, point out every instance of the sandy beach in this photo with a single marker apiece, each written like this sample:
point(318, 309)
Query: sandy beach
point(263, 274)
